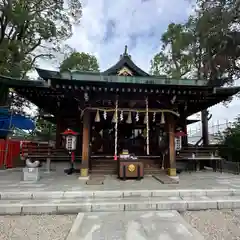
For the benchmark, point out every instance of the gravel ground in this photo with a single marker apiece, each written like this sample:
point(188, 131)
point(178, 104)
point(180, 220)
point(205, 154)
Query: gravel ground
point(35, 227)
point(216, 225)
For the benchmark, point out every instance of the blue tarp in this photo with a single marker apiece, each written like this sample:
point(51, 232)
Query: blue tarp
point(15, 121)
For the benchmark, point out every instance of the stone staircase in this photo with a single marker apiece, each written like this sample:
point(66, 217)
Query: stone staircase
point(67, 202)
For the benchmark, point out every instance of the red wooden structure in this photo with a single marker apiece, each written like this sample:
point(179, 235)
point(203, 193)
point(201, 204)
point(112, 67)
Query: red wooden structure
point(9, 152)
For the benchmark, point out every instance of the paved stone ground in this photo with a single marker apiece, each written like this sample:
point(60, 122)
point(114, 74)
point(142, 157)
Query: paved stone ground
point(58, 181)
point(215, 225)
point(164, 225)
point(44, 227)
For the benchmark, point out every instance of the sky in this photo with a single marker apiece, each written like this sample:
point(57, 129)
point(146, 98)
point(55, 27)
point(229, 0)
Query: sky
point(108, 25)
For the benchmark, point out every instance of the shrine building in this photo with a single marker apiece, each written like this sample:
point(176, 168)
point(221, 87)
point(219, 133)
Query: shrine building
point(121, 108)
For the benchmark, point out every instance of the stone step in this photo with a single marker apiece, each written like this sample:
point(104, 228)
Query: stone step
point(112, 194)
point(76, 205)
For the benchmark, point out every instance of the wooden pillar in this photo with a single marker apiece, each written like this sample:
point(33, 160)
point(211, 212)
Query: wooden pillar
point(85, 144)
point(172, 152)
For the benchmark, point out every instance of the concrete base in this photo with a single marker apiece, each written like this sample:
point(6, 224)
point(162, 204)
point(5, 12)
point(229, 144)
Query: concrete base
point(172, 172)
point(31, 174)
point(84, 178)
point(175, 178)
point(84, 172)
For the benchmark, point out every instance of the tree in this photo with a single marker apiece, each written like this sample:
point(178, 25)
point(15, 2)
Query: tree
point(209, 42)
point(230, 141)
point(45, 128)
point(217, 26)
point(80, 61)
point(174, 59)
point(31, 29)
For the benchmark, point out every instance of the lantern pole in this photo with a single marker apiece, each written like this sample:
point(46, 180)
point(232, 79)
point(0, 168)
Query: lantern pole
point(147, 125)
point(116, 130)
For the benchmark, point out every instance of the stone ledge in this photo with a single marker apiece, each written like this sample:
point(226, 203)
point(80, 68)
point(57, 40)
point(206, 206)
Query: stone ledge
point(127, 194)
point(172, 203)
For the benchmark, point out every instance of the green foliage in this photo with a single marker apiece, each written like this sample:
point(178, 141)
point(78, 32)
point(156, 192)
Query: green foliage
point(217, 28)
point(230, 149)
point(31, 29)
point(206, 46)
point(45, 128)
point(174, 59)
point(80, 61)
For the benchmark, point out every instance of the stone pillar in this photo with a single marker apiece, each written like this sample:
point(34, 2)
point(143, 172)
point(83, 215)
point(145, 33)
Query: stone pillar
point(172, 152)
point(85, 144)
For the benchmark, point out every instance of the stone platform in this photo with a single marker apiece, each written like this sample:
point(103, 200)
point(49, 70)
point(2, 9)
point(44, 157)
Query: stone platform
point(11, 180)
point(164, 225)
point(72, 202)
point(60, 193)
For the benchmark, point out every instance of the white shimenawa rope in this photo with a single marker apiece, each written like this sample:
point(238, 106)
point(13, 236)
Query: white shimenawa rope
point(116, 128)
point(147, 123)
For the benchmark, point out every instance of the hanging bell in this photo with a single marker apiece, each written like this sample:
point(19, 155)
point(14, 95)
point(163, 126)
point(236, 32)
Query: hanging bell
point(97, 117)
point(129, 118)
point(114, 119)
point(162, 119)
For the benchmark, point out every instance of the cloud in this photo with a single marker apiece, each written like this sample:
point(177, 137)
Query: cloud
point(107, 26)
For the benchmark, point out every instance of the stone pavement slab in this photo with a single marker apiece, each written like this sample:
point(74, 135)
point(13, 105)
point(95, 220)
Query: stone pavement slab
point(163, 225)
point(58, 182)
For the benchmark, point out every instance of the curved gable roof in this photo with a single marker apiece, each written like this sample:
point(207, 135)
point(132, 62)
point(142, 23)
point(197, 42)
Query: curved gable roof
point(125, 61)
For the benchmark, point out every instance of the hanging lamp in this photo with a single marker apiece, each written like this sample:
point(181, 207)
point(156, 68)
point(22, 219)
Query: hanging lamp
point(129, 118)
point(97, 117)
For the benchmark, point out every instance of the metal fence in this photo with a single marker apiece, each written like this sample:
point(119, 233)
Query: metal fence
point(214, 128)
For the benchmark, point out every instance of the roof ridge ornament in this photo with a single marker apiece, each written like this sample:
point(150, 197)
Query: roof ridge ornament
point(125, 53)
point(125, 50)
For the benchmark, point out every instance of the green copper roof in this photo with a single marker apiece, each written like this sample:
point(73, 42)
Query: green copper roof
point(98, 77)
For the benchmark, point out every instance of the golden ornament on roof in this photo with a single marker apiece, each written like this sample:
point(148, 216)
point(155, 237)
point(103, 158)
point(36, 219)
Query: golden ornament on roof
point(125, 72)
